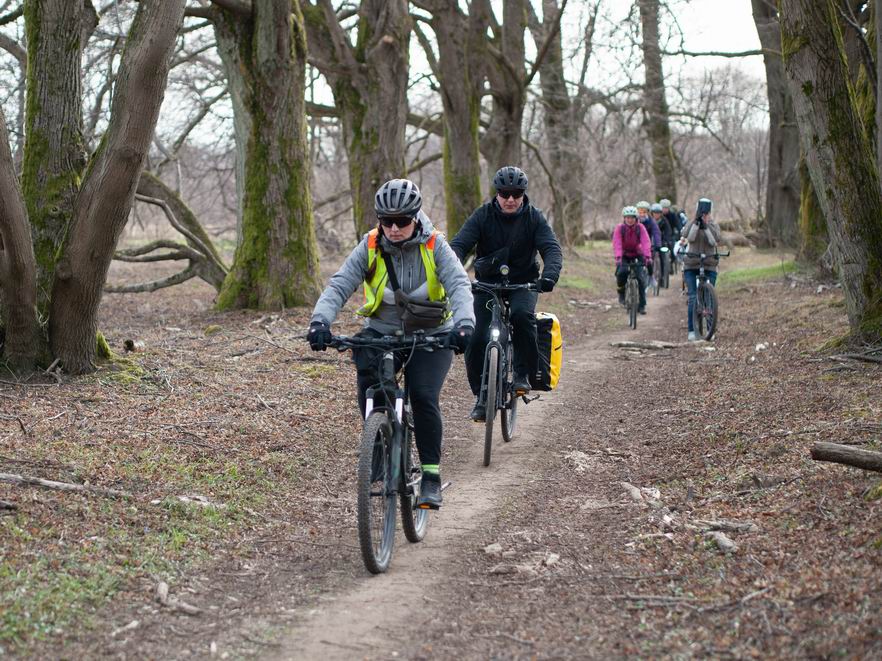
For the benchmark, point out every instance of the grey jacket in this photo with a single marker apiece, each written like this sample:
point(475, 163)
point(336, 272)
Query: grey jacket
point(701, 241)
point(408, 265)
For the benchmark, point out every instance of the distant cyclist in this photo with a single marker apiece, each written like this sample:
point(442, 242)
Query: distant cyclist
point(674, 219)
point(651, 229)
point(664, 227)
point(631, 241)
point(426, 269)
point(701, 236)
point(508, 230)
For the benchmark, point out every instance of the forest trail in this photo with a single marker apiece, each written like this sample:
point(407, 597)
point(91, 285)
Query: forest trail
point(373, 618)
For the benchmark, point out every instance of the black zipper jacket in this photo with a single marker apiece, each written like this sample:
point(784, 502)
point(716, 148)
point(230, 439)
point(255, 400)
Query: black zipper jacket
point(514, 239)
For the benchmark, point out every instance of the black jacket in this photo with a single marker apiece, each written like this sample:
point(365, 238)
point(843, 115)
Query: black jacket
point(511, 239)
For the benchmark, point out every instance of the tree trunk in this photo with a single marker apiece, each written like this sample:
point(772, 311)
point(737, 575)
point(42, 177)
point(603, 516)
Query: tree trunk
point(369, 83)
point(105, 199)
point(839, 154)
point(780, 225)
point(877, 25)
point(55, 154)
point(18, 277)
point(276, 263)
point(812, 224)
point(657, 124)
point(845, 454)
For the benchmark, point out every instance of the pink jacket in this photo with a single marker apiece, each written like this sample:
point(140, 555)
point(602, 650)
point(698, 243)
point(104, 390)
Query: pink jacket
point(645, 245)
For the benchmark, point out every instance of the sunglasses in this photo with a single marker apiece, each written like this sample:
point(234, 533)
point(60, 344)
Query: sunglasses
point(506, 194)
point(398, 221)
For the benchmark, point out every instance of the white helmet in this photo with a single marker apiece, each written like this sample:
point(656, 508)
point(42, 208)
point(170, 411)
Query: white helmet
point(665, 203)
point(629, 211)
point(643, 204)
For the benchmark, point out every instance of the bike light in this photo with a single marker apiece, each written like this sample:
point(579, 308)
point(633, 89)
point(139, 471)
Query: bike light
point(494, 334)
point(504, 270)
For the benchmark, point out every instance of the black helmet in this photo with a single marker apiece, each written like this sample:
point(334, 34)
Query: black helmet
point(510, 178)
point(398, 197)
point(704, 206)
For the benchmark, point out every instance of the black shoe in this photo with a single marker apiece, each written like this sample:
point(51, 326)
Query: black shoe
point(521, 383)
point(479, 413)
point(430, 492)
point(622, 298)
point(641, 310)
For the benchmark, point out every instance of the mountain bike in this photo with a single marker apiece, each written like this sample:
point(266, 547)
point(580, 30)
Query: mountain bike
point(657, 273)
point(632, 290)
point(665, 281)
point(705, 312)
point(498, 375)
point(388, 464)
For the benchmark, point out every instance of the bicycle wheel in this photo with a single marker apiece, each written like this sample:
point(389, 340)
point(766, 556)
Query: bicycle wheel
point(414, 521)
point(376, 502)
point(666, 271)
point(656, 273)
point(492, 381)
point(632, 301)
point(705, 311)
point(510, 412)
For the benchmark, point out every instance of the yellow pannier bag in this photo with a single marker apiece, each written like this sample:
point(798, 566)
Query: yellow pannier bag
point(549, 341)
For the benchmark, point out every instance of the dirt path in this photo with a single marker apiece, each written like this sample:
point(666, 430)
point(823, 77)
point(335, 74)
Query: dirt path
point(371, 618)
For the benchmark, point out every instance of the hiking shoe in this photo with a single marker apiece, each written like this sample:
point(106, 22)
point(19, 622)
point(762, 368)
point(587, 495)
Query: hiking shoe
point(479, 413)
point(692, 336)
point(641, 310)
point(430, 492)
point(521, 383)
point(621, 298)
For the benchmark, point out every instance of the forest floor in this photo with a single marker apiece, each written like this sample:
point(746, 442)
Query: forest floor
point(235, 446)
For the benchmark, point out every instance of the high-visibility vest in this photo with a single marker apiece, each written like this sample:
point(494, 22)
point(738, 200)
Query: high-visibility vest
point(373, 288)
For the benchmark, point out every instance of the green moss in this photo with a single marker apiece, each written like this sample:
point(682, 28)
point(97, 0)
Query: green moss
point(807, 88)
point(739, 277)
point(102, 348)
point(874, 493)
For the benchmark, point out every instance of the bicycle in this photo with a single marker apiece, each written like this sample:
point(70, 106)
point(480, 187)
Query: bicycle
point(632, 291)
point(705, 312)
point(388, 465)
point(498, 375)
point(657, 272)
point(665, 267)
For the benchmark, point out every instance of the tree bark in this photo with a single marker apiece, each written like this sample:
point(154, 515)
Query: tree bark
point(369, 83)
point(780, 225)
point(813, 238)
point(276, 262)
point(656, 123)
point(839, 154)
point(105, 199)
point(845, 454)
point(877, 25)
point(54, 154)
point(18, 276)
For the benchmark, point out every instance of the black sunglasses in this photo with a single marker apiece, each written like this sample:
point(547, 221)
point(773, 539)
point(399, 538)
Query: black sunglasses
point(398, 221)
point(505, 194)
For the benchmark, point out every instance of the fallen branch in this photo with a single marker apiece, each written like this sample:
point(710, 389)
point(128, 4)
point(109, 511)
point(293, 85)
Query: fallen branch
point(650, 344)
point(845, 454)
point(175, 604)
point(12, 478)
point(857, 356)
point(725, 544)
point(727, 526)
point(6, 505)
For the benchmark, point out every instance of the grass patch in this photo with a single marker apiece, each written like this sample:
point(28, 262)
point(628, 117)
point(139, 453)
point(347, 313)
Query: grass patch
point(737, 277)
point(577, 282)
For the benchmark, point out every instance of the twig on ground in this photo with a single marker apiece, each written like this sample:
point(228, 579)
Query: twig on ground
point(12, 478)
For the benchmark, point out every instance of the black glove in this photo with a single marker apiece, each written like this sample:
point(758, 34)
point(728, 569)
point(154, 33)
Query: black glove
point(458, 339)
point(545, 285)
point(701, 225)
point(319, 336)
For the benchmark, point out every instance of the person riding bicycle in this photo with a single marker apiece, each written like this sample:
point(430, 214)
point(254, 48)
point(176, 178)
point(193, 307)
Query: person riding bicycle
point(664, 227)
point(631, 241)
point(701, 236)
point(425, 268)
point(674, 218)
point(651, 229)
point(508, 230)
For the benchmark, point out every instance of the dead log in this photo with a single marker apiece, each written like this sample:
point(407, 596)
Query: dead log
point(650, 344)
point(22, 480)
point(845, 454)
point(723, 542)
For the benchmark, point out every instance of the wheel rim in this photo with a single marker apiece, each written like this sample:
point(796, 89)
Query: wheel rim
point(376, 502)
point(510, 419)
point(490, 414)
point(414, 520)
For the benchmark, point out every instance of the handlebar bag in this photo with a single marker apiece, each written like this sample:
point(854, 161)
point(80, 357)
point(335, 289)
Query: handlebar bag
point(549, 341)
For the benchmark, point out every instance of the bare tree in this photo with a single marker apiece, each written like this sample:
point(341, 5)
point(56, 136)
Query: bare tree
point(839, 154)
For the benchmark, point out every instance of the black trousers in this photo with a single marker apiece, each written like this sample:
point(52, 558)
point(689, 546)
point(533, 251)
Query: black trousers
point(622, 279)
point(523, 321)
point(425, 373)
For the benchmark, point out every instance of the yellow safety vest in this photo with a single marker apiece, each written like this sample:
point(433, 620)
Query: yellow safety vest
point(373, 288)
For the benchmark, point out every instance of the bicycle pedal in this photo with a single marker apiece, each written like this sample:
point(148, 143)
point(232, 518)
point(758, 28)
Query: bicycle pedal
point(527, 399)
point(426, 506)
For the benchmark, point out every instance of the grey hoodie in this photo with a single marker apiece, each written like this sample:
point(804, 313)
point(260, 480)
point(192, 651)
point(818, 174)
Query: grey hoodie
point(702, 241)
point(408, 265)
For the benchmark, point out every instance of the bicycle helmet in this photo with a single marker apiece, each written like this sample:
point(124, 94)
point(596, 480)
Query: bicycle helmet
point(629, 211)
point(704, 206)
point(665, 203)
point(656, 207)
point(398, 197)
point(510, 178)
point(642, 205)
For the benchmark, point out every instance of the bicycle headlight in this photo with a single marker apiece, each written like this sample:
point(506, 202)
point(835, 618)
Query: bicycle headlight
point(494, 334)
point(504, 270)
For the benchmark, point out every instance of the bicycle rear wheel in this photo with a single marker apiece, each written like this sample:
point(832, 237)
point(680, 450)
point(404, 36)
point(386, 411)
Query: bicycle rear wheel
point(492, 381)
point(414, 521)
point(376, 500)
point(632, 301)
point(705, 311)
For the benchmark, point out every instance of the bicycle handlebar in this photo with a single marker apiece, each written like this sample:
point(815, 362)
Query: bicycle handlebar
point(702, 255)
point(390, 342)
point(498, 287)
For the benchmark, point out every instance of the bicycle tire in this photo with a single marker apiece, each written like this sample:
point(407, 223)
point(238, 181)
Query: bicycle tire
point(633, 299)
point(705, 311)
point(509, 417)
point(376, 545)
point(666, 270)
point(492, 382)
point(414, 520)
point(656, 273)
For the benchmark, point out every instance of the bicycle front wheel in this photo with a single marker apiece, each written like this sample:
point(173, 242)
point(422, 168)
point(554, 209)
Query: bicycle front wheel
point(510, 418)
point(633, 300)
point(492, 382)
point(666, 271)
point(376, 497)
point(414, 521)
point(656, 274)
point(705, 311)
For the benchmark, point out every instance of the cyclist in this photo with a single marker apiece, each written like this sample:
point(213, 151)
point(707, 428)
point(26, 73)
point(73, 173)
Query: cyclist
point(631, 241)
point(674, 219)
point(651, 229)
point(668, 238)
point(701, 236)
point(426, 269)
point(508, 230)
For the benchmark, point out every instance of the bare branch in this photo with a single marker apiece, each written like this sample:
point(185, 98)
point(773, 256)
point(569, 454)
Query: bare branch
point(549, 37)
point(15, 49)
point(15, 14)
point(176, 279)
point(240, 7)
point(746, 53)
